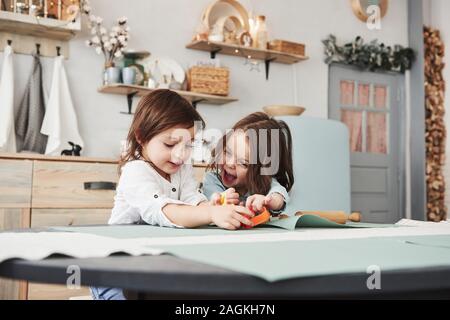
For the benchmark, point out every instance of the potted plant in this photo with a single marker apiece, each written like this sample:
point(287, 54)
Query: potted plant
point(111, 44)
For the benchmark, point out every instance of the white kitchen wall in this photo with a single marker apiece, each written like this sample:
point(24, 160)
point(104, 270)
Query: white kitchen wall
point(164, 27)
point(436, 15)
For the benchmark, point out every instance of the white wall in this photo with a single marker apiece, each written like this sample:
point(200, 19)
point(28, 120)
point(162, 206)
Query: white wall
point(165, 27)
point(436, 15)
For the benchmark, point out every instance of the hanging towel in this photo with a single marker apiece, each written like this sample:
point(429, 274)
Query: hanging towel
point(60, 121)
point(31, 112)
point(7, 134)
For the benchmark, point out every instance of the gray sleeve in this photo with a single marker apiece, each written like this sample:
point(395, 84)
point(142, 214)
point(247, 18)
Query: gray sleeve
point(276, 187)
point(212, 184)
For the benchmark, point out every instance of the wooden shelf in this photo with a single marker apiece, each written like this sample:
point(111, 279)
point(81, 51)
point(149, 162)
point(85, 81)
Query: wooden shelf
point(131, 90)
point(42, 27)
point(267, 56)
point(241, 51)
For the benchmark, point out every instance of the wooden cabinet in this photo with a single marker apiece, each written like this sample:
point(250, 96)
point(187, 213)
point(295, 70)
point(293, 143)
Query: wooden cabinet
point(42, 191)
point(63, 185)
point(15, 204)
point(15, 183)
point(13, 218)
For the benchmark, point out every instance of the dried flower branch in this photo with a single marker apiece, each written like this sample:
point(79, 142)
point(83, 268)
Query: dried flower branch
point(111, 44)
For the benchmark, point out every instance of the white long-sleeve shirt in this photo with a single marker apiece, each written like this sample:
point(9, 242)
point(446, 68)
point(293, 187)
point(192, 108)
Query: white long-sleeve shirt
point(142, 193)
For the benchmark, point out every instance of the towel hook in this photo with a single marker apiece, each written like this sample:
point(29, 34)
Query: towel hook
point(38, 48)
point(9, 42)
point(58, 50)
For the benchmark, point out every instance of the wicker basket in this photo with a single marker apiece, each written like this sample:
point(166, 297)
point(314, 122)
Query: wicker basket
point(287, 47)
point(209, 80)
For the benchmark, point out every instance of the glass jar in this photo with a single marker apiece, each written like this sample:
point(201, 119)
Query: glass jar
point(37, 8)
point(7, 5)
point(261, 33)
point(21, 7)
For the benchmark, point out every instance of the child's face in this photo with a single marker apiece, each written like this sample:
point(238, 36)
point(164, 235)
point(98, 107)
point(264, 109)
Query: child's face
point(170, 149)
point(236, 160)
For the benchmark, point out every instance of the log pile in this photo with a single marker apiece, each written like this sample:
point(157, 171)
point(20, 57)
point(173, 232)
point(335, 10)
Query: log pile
point(435, 135)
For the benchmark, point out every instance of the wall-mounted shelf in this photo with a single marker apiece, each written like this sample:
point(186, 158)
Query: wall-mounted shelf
point(38, 27)
point(267, 56)
point(132, 90)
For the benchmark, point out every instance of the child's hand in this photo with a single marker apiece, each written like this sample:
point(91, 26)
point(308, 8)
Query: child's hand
point(231, 197)
point(274, 201)
point(256, 202)
point(215, 199)
point(231, 217)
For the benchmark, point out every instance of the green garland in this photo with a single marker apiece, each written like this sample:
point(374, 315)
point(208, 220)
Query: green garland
point(372, 56)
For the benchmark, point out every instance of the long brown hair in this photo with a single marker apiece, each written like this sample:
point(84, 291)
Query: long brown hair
point(156, 112)
point(256, 182)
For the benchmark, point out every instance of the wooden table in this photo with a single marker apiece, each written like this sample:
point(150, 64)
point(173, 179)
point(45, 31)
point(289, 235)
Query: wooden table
point(170, 277)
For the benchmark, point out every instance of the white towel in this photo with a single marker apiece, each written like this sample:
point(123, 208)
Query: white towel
point(60, 121)
point(7, 133)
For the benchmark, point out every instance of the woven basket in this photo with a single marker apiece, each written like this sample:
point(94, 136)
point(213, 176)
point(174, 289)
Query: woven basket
point(287, 47)
point(209, 80)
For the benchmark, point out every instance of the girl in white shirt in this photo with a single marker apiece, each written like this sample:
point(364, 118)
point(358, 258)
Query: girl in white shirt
point(157, 185)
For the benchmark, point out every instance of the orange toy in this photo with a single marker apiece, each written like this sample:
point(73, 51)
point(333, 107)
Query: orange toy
point(259, 218)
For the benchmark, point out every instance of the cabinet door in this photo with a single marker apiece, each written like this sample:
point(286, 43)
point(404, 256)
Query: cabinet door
point(13, 219)
point(15, 183)
point(69, 217)
point(63, 184)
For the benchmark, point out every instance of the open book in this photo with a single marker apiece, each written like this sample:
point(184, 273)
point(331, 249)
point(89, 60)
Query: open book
point(320, 219)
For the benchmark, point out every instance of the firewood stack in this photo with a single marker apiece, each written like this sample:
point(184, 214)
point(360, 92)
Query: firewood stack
point(435, 127)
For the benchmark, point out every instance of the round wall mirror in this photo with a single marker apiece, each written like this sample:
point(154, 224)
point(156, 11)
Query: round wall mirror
point(360, 8)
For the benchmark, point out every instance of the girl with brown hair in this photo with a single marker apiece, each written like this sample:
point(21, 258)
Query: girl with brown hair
point(252, 165)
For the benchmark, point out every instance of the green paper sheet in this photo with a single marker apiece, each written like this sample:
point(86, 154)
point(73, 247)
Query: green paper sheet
point(313, 221)
point(142, 231)
point(145, 231)
point(275, 261)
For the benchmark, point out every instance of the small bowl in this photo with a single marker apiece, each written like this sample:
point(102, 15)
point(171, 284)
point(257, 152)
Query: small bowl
point(283, 110)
